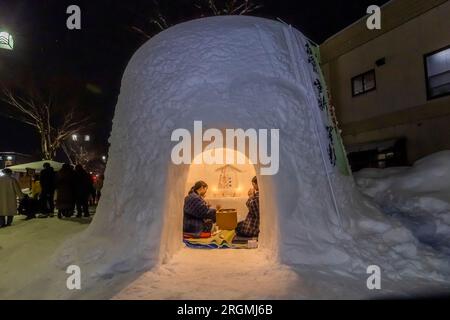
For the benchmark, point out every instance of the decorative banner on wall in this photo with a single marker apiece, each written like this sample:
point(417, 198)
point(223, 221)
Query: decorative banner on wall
point(335, 147)
point(331, 147)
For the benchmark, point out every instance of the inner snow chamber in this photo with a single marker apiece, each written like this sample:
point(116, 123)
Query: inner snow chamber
point(228, 186)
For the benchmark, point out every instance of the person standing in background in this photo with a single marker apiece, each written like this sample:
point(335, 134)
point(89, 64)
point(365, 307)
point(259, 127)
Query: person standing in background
point(65, 191)
point(9, 192)
point(83, 188)
point(98, 187)
point(48, 179)
point(36, 189)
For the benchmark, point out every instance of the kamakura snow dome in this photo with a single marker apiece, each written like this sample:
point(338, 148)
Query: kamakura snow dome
point(235, 72)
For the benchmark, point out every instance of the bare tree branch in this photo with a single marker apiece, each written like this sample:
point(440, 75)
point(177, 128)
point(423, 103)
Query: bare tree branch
point(77, 152)
point(141, 32)
point(43, 117)
point(201, 8)
point(18, 103)
point(213, 8)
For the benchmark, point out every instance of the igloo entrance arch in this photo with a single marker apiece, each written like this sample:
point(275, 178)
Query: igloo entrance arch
point(182, 177)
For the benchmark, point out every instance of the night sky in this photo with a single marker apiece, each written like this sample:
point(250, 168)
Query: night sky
point(84, 67)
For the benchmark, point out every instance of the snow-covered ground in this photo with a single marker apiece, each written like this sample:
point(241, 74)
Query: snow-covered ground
point(419, 196)
point(254, 274)
point(190, 274)
point(215, 274)
point(26, 247)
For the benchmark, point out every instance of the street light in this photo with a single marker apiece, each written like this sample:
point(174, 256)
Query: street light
point(6, 40)
point(74, 137)
point(104, 158)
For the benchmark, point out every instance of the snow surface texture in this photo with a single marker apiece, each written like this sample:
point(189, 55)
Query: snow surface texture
point(25, 249)
point(189, 276)
point(230, 72)
point(418, 195)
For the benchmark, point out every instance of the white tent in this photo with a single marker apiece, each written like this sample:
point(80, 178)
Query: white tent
point(234, 72)
point(37, 166)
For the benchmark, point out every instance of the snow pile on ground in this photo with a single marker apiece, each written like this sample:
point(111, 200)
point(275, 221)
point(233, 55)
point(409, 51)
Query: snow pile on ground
point(419, 196)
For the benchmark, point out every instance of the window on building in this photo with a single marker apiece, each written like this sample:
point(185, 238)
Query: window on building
point(364, 83)
point(437, 68)
point(378, 154)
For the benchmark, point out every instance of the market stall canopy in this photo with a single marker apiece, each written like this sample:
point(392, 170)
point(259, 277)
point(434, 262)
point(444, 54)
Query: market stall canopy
point(37, 166)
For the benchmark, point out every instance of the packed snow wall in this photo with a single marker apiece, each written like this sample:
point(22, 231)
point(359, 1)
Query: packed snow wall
point(233, 72)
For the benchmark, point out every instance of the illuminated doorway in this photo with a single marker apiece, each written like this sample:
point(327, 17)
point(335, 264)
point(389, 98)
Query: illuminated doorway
point(229, 189)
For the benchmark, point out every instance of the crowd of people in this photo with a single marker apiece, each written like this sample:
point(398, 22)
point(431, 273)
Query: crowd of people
point(67, 190)
point(200, 217)
point(75, 189)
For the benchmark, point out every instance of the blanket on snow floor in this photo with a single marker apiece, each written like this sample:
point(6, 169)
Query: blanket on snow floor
point(221, 240)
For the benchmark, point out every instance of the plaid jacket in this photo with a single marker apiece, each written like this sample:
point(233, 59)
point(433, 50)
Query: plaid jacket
point(196, 211)
point(250, 226)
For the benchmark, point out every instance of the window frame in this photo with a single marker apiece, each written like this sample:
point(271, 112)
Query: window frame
point(362, 75)
point(427, 78)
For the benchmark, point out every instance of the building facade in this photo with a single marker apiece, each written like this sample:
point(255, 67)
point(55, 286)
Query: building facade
point(391, 87)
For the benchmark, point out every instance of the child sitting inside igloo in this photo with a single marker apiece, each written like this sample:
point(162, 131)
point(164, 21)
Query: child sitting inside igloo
point(250, 226)
point(198, 216)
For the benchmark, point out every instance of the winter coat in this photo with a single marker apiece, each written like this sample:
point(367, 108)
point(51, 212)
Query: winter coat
point(36, 189)
point(83, 184)
point(9, 191)
point(250, 226)
point(65, 190)
point(48, 179)
point(196, 211)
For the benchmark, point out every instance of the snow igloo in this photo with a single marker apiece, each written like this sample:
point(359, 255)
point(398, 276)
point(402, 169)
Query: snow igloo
point(229, 73)
point(224, 73)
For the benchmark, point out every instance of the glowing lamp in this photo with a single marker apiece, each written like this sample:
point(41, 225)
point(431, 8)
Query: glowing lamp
point(6, 41)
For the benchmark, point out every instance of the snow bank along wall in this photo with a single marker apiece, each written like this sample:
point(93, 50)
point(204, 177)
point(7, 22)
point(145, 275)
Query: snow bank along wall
point(231, 72)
